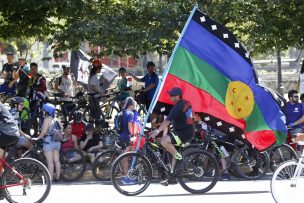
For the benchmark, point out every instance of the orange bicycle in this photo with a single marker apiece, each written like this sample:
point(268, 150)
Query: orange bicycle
point(24, 180)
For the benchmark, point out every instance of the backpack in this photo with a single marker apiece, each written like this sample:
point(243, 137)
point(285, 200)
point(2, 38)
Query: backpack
point(56, 132)
point(118, 122)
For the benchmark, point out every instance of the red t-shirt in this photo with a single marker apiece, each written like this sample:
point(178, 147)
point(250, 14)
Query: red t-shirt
point(78, 129)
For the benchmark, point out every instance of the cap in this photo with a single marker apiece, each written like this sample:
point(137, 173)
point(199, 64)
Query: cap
point(9, 53)
point(175, 91)
point(90, 126)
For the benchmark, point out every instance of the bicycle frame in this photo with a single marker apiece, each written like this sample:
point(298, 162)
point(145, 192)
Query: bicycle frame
point(298, 170)
point(23, 180)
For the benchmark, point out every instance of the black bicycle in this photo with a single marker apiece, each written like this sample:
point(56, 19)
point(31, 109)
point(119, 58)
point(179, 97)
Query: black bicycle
point(192, 173)
point(73, 162)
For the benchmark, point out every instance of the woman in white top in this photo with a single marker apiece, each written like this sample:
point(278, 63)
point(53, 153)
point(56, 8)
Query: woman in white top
point(95, 90)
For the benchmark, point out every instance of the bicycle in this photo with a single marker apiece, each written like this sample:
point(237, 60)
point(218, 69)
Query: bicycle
point(281, 154)
point(73, 162)
point(287, 183)
point(25, 180)
point(192, 172)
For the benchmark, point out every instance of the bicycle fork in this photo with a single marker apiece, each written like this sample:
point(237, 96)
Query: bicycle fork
point(297, 173)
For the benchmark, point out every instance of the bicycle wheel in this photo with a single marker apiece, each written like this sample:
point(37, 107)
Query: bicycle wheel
point(284, 187)
point(281, 154)
point(249, 163)
point(113, 111)
point(73, 165)
point(38, 155)
point(38, 181)
point(102, 165)
point(133, 180)
point(199, 172)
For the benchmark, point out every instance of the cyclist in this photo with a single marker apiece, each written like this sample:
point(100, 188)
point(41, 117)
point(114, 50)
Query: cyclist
point(78, 126)
point(9, 134)
point(50, 147)
point(22, 75)
point(183, 126)
point(16, 109)
point(151, 81)
point(95, 90)
point(66, 84)
point(122, 84)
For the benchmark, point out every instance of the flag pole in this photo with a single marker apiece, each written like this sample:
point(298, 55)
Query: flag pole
point(163, 78)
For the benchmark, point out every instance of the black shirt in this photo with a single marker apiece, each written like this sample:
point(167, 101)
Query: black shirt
point(181, 118)
point(92, 142)
point(8, 68)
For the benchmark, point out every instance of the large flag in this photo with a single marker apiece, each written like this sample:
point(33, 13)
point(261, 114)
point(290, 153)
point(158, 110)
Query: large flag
point(216, 75)
point(81, 66)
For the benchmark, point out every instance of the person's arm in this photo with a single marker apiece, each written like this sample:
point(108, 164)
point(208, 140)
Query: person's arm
point(154, 82)
point(56, 87)
point(84, 143)
point(24, 134)
point(301, 120)
point(74, 139)
point(45, 127)
point(136, 78)
point(100, 145)
point(15, 78)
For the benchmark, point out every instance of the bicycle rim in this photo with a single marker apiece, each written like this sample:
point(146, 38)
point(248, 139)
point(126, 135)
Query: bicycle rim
point(199, 172)
point(280, 155)
point(103, 164)
point(73, 165)
point(37, 176)
point(139, 176)
point(284, 188)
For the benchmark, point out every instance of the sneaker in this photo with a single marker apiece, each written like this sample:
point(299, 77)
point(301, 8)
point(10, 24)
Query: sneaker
point(225, 176)
point(127, 181)
point(56, 181)
point(168, 181)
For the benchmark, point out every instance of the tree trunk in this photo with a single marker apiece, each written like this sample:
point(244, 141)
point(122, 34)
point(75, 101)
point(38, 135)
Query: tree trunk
point(160, 70)
point(280, 87)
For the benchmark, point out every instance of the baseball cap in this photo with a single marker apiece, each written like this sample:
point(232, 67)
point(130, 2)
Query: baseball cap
point(175, 91)
point(90, 126)
point(9, 53)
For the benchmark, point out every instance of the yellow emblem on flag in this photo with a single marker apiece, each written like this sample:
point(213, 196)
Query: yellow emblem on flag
point(239, 100)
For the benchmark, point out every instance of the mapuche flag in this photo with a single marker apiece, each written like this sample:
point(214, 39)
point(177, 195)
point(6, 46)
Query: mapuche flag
point(216, 75)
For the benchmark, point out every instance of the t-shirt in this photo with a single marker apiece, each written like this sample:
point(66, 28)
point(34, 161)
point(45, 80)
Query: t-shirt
point(23, 75)
point(149, 79)
point(127, 117)
point(66, 85)
point(8, 125)
point(293, 113)
point(78, 129)
point(8, 68)
point(122, 85)
point(94, 81)
point(178, 117)
point(92, 142)
point(15, 114)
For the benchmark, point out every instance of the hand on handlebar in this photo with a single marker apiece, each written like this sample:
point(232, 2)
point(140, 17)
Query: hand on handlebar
point(290, 125)
point(154, 133)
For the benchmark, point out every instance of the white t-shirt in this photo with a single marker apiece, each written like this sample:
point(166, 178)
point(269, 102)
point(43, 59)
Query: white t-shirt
point(301, 85)
point(94, 81)
point(66, 86)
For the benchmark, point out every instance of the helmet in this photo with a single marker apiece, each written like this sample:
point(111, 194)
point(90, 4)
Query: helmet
point(17, 100)
point(49, 109)
point(96, 63)
point(77, 115)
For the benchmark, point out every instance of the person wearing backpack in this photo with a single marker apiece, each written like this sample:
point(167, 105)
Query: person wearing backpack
point(51, 134)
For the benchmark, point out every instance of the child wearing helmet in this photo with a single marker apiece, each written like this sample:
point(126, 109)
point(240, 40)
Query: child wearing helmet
point(50, 147)
point(78, 126)
point(16, 104)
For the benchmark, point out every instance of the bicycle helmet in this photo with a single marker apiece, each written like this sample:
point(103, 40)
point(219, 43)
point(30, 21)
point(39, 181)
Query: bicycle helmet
point(96, 63)
point(17, 100)
point(49, 109)
point(77, 115)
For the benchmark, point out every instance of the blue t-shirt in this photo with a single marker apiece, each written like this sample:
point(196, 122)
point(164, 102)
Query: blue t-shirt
point(149, 79)
point(294, 113)
point(127, 117)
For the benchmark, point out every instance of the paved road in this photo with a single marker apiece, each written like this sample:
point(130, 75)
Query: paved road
point(232, 191)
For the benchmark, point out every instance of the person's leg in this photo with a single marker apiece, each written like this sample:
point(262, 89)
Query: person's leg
point(57, 162)
point(50, 162)
point(91, 157)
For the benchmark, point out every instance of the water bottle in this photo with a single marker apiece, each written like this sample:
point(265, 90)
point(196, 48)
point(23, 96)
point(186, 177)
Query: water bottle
point(225, 152)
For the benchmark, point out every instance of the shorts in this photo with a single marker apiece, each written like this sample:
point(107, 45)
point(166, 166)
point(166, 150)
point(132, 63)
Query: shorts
point(70, 154)
point(178, 140)
point(124, 143)
point(21, 141)
point(49, 145)
point(7, 140)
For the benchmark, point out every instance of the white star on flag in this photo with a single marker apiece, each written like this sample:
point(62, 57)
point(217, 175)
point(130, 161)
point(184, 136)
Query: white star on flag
point(243, 136)
point(237, 45)
point(213, 27)
point(225, 35)
point(252, 146)
point(219, 123)
point(231, 129)
point(207, 119)
point(247, 55)
point(203, 19)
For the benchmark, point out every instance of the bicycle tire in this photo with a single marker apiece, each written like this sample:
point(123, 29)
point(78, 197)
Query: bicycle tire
point(197, 158)
point(34, 155)
point(282, 188)
point(23, 166)
point(281, 154)
point(140, 162)
point(102, 165)
point(114, 111)
point(250, 164)
point(72, 170)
